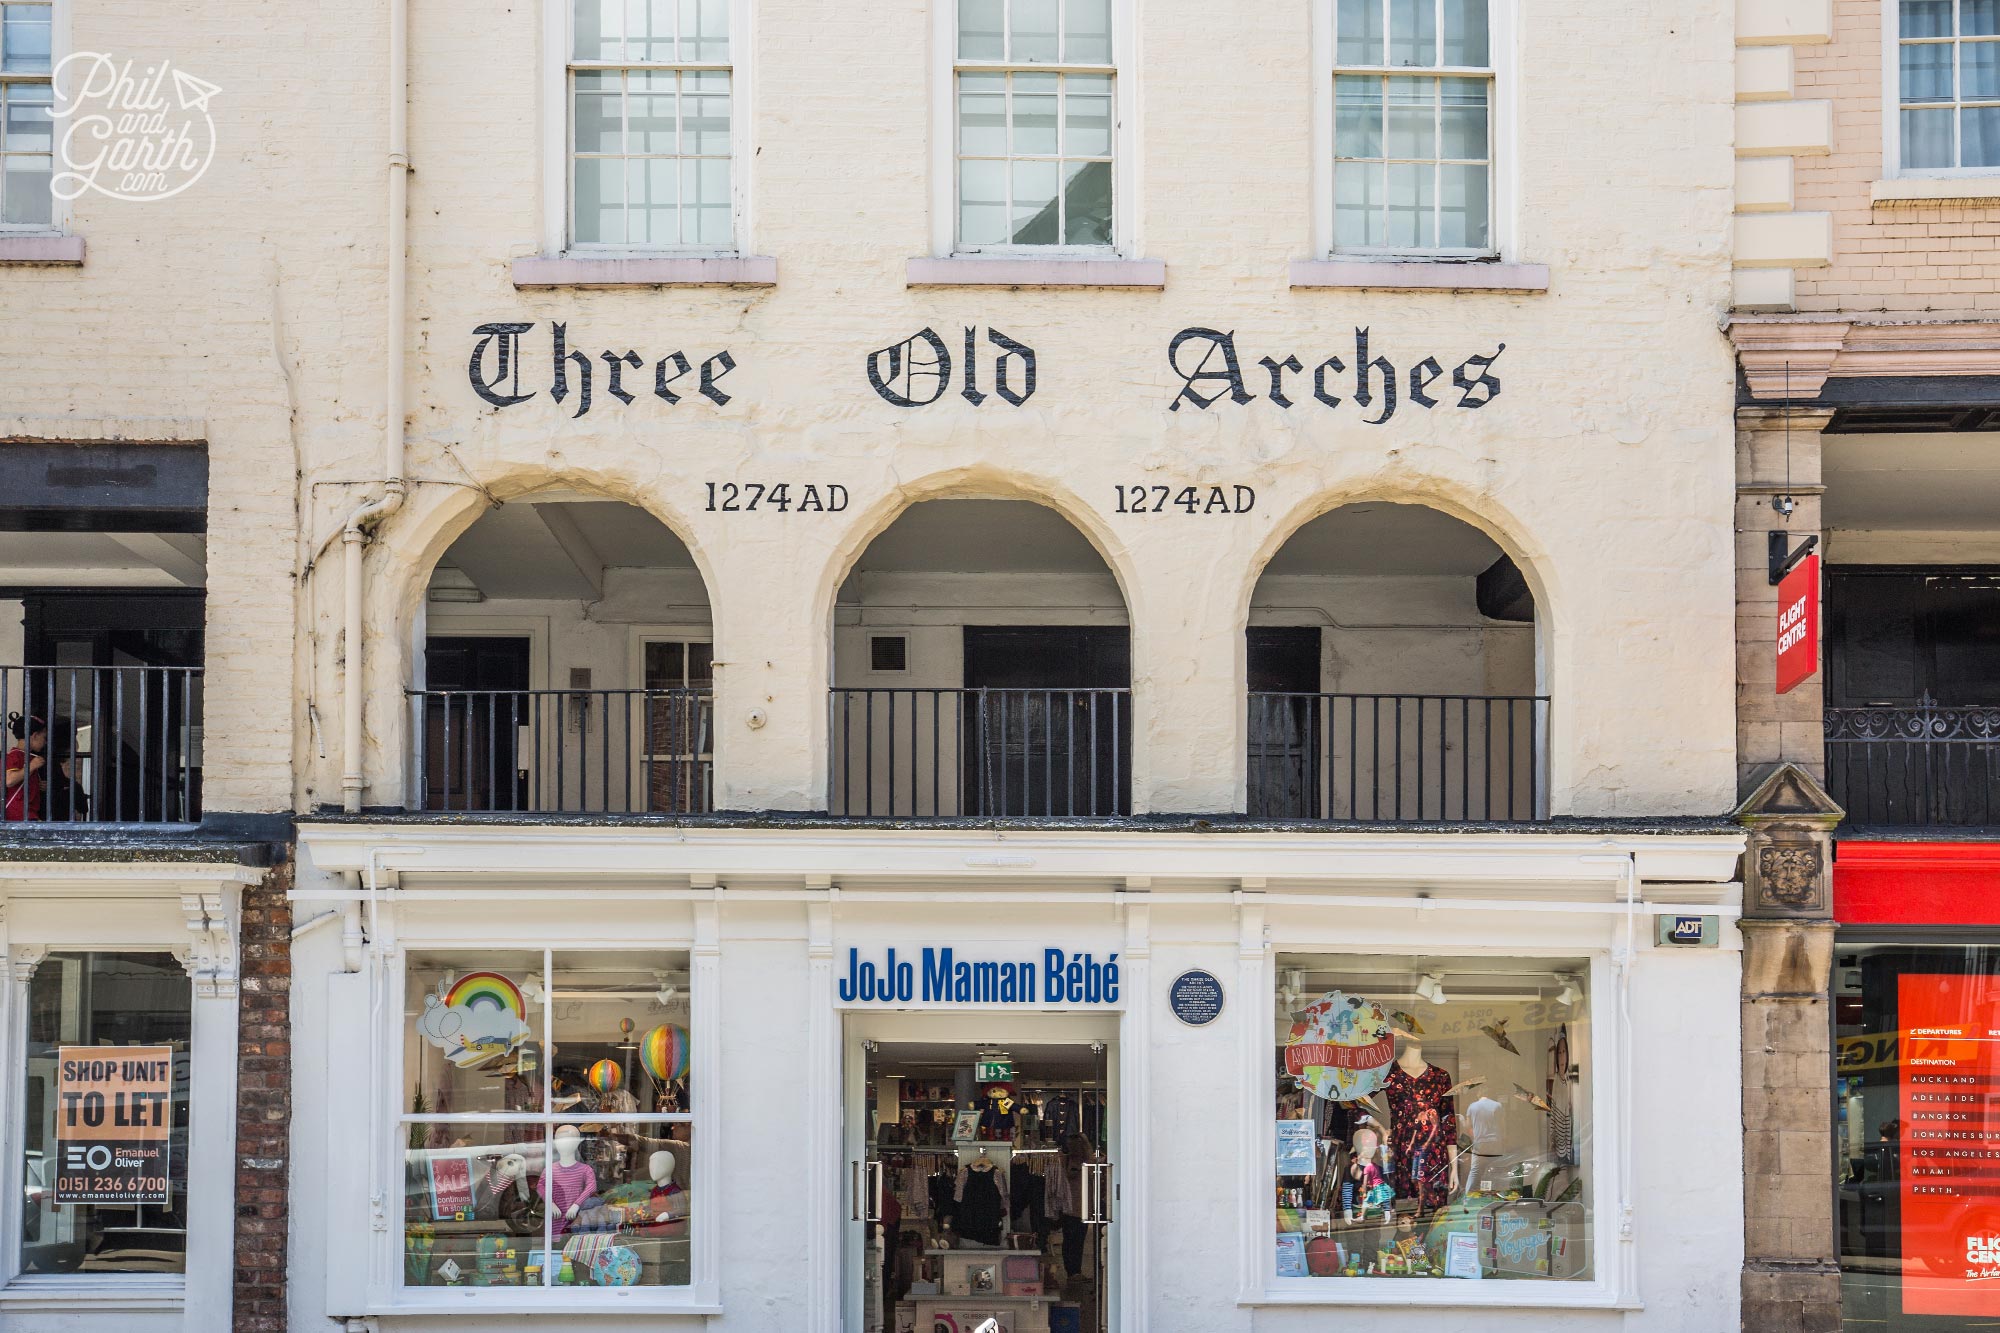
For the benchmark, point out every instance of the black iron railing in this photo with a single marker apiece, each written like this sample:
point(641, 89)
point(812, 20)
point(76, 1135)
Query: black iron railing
point(947, 752)
point(1398, 757)
point(102, 745)
point(1917, 765)
point(563, 751)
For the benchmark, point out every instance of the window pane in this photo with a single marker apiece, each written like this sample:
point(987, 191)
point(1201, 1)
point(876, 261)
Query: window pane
point(600, 200)
point(1411, 225)
point(652, 124)
point(1979, 70)
point(1034, 30)
point(1087, 204)
point(473, 1213)
point(1927, 72)
point(621, 1032)
point(472, 1030)
point(597, 117)
point(1358, 28)
point(599, 29)
point(1357, 116)
point(106, 1025)
point(979, 35)
point(1979, 136)
point(1463, 118)
point(711, 223)
point(1034, 113)
point(1927, 138)
point(1034, 212)
point(27, 128)
point(1432, 1118)
point(1087, 39)
point(24, 195)
point(982, 203)
point(1357, 205)
point(982, 122)
point(1465, 40)
point(1412, 117)
point(1978, 18)
point(705, 31)
point(24, 39)
point(1413, 32)
point(1086, 116)
point(650, 193)
point(1462, 208)
point(705, 114)
point(1925, 18)
point(649, 30)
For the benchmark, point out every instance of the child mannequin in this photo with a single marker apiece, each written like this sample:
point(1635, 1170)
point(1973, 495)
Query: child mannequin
point(569, 1184)
point(1371, 1186)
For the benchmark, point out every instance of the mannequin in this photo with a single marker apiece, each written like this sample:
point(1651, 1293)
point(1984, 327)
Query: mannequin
point(1423, 1129)
point(569, 1184)
point(667, 1203)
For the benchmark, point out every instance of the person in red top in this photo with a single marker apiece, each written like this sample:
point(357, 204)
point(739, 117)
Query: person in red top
point(26, 759)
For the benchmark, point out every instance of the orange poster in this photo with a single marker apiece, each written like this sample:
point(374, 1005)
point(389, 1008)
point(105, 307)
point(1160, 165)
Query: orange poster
point(114, 1123)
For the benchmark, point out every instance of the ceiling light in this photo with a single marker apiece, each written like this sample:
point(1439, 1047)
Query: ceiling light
point(1431, 988)
point(1568, 995)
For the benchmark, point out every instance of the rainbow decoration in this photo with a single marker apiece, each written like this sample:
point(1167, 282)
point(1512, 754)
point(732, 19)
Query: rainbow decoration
point(604, 1077)
point(664, 1052)
point(486, 990)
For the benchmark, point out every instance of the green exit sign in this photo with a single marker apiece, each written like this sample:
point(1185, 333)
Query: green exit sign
point(993, 1069)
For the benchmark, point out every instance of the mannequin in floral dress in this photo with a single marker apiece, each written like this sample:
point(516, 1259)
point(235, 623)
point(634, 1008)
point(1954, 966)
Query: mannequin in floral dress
point(1423, 1129)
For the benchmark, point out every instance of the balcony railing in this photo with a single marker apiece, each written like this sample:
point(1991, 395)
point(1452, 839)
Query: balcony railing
point(1397, 757)
point(1925, 764)
point(123, 744)
point(563, 751)
point(923, 753)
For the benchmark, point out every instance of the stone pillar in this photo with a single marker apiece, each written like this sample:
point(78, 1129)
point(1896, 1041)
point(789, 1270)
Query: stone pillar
point(1791, 1271)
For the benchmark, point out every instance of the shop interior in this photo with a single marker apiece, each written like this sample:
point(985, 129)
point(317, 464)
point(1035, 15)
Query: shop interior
point(1433, 1118)
point(988, 1190)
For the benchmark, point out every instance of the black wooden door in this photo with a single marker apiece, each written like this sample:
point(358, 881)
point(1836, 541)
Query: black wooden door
point(1283, 675)
point(471, 741)
point(1043, 734)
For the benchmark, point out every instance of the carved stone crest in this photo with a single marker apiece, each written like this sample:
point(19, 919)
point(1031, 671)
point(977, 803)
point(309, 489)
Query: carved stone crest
point(1789, 875)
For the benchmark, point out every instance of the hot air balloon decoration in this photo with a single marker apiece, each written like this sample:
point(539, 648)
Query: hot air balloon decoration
point(605, 1077)
point(664, 1052)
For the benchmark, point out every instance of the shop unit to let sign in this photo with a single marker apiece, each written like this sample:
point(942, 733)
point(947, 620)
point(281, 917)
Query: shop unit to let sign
point(1949, 1040)
point(114, 1123)
point(1798, 625)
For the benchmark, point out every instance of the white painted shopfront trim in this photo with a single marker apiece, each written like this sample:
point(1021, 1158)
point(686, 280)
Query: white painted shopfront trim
point(191, 911)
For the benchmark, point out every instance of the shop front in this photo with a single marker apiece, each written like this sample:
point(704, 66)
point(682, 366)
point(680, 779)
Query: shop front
point(1916, 1005)
point(870, 1083)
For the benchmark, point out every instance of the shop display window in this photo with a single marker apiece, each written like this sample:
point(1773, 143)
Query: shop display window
point(547, 1130)
point(1916, 1135)
point(105, 1123)
point(1433, 1118)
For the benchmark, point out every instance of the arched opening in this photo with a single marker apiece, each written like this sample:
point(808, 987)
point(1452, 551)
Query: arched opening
point(1391, 665)
point(982, 666)
point(566, 665)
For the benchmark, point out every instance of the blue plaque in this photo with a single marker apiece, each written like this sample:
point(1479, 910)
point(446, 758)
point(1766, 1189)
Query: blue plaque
point(1196, 998)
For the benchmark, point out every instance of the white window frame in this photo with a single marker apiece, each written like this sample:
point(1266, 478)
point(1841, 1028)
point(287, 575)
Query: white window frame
point(558, 112)
point(1125, 240)
point(642, 638)
point(1892, 103)
point(389, 1296)
point(1612, 1262)
point(59, 210)
point(1502, 131)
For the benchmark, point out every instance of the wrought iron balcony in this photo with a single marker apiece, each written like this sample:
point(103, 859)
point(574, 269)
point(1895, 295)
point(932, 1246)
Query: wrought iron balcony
point(1414, 758)
point(102, 745)
point(1925, 764)
point(563, 751)
point(922, 753)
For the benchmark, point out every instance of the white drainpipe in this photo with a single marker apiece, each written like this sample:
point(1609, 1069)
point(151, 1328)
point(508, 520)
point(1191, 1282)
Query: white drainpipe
point(354, 536)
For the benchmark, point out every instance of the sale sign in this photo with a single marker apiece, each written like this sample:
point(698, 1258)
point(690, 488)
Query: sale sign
point(1798, 625)
point(114, 1123)
point(1949, 1043)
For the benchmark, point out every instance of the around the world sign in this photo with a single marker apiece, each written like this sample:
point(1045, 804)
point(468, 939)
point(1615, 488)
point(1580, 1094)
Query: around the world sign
point(943, 974)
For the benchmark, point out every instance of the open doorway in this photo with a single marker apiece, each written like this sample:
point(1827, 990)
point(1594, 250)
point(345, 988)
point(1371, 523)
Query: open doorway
point(985, 1192)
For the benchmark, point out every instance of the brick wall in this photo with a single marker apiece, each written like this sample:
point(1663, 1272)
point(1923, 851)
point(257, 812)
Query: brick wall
point(1929, 258)
point(264, 1105)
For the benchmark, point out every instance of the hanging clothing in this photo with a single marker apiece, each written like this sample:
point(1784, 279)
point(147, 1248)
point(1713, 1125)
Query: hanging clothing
point(1029, 1195)
point(1422, 1130)
point(982, 1205)
point(942, 1187)
point(1562, 1098)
